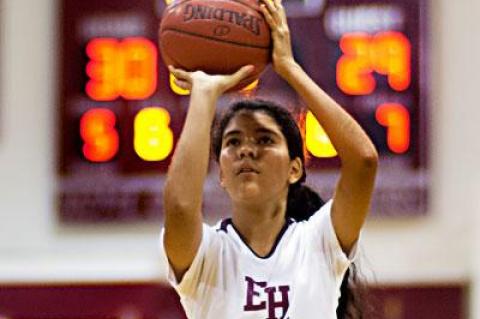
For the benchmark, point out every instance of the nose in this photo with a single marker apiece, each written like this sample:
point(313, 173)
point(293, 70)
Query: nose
point(247, 150)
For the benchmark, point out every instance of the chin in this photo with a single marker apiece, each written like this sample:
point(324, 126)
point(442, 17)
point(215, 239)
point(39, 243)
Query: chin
point(250, 192)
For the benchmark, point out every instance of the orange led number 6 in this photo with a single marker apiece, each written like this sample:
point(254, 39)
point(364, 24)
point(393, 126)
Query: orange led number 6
point(153, 138)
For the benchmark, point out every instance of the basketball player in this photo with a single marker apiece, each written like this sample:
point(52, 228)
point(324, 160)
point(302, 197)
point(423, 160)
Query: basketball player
point(284, 252)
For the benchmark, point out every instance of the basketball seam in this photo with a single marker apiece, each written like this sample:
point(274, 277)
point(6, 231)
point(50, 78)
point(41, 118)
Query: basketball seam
point(247, 5)
point(218, 40)
point(177, 64)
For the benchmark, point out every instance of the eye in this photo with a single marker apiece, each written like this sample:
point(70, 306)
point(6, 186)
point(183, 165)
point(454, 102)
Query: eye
point(265, 140)
point(233, 141)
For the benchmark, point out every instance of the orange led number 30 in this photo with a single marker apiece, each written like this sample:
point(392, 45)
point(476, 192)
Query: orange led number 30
point(126, 68)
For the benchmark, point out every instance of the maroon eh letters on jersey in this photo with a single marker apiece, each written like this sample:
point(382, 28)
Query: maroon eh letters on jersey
point(257, 300)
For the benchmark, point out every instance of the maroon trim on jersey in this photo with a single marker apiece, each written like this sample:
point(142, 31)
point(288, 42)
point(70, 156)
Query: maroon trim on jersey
point(224, 224)
point(228, 221)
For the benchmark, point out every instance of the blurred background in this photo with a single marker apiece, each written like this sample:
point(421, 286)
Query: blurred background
point(79, 227)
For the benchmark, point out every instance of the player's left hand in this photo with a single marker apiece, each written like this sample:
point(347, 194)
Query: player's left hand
point(274, 13)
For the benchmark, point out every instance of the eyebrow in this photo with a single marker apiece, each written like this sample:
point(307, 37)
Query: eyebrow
point(266, 130)
point(233, 132)
point(259, 130)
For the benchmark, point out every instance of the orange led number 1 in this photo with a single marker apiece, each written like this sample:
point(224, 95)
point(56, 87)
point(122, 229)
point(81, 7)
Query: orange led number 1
point(126, 68)
point(396, 119)
point(387, 53)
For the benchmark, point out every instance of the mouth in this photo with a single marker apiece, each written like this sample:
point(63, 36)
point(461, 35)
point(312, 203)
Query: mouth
point(246, 170)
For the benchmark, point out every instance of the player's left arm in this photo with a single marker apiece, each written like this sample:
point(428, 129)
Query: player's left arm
point(357, 153)
point(359, 158)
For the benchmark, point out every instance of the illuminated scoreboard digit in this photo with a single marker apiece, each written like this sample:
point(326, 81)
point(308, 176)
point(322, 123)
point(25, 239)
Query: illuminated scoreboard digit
point(121, 113)
point(124, 68)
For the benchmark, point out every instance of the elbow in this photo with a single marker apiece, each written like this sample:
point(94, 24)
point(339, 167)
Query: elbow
point(364, 159)
point(369, 159)
point(175, 203)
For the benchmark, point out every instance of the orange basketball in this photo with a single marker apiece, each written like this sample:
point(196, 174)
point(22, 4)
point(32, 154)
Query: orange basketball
point(215, 36)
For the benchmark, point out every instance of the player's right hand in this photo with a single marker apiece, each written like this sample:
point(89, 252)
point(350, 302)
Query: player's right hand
point(216, 83)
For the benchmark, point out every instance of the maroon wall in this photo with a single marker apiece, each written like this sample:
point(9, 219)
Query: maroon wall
point(148, 300)
point(421, 302)
point(123, 301)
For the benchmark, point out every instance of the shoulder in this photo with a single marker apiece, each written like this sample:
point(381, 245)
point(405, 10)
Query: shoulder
point(318, 231)
point(320, 218)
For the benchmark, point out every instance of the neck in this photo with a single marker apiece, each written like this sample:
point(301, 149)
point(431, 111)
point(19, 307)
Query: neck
point(260, 225)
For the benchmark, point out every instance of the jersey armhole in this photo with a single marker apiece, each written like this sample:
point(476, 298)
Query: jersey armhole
point(325, 235)
point(189, 279)
point(347, 258)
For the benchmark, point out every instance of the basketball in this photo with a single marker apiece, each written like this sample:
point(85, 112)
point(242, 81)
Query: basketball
point(215, 36)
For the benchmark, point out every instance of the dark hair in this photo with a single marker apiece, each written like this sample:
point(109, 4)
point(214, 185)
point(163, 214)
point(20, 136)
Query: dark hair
point(302, 201)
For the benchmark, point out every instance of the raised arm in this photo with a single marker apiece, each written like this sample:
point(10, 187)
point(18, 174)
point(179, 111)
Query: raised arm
point(357, 153)
point(186, 175)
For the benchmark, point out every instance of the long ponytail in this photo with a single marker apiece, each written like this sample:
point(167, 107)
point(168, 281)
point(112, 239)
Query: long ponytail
point(302, 202)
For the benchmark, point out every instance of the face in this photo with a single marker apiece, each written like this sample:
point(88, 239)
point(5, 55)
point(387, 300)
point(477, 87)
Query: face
point(254, 160)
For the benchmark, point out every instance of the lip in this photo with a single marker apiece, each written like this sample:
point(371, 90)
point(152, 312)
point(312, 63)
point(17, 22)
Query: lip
point(246, 169)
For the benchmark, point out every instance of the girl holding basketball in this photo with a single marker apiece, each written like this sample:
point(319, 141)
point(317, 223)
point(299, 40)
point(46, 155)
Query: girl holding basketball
point(284, 253)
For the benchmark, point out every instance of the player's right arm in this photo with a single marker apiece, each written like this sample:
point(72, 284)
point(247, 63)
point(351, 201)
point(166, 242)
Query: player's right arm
point(187, 172)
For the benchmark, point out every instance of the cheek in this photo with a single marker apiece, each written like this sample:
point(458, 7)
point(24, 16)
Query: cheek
point(278, 165)
point(223, 159)
point(225, 163)
point(282, 171)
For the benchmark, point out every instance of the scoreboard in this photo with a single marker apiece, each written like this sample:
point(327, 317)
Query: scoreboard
point(120, 113)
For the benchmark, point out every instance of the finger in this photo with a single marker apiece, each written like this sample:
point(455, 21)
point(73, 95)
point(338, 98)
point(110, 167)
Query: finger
point(236, 77)
point(275, 9)
point(183, 84)
point(281, 10)
point(243, 72)
point(267, 15)
point(179, 73)
point(269, 5)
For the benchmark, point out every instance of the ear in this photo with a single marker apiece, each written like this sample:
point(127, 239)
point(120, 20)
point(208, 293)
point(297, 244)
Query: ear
point(296, 170)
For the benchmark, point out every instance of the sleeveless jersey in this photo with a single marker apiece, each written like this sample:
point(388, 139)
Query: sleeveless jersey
point(299, 279)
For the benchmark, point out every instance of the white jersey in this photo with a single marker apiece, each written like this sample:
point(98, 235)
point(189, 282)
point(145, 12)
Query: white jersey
point(299, 279)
